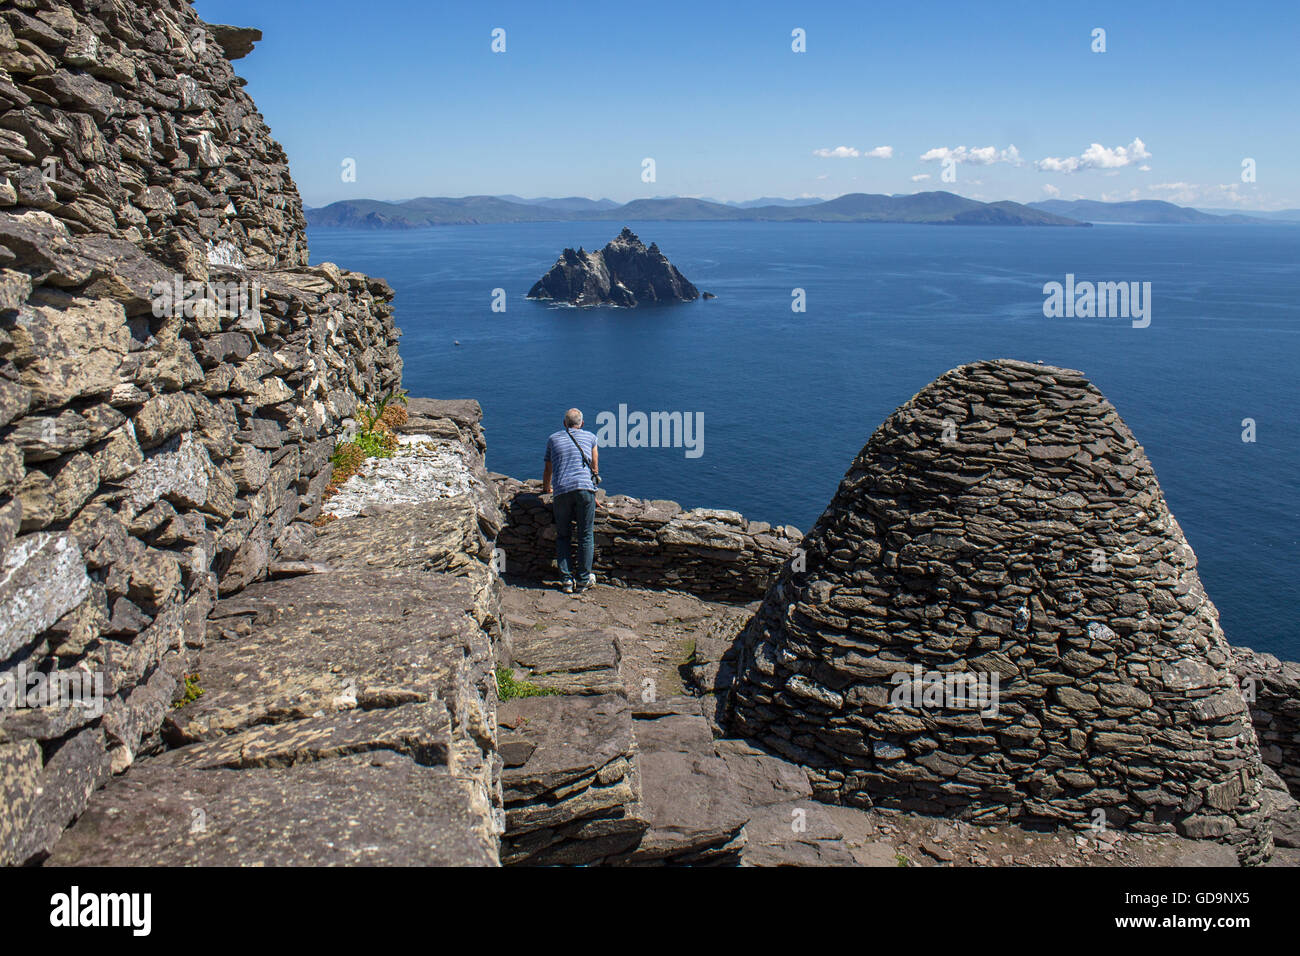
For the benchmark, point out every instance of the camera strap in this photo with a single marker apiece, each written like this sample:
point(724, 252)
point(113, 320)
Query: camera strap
point(581, 454)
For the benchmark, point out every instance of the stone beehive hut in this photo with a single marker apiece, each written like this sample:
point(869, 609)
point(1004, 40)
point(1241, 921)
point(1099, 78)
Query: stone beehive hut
point(154, 453)
point(1005, 525)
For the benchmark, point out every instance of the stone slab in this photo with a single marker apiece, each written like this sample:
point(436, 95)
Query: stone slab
point(298, 647)
point(571, 661)
point(420, 731)
point(375, 809)
point(798, 833)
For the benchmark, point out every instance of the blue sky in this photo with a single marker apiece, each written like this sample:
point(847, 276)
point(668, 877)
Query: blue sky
point(715, 95)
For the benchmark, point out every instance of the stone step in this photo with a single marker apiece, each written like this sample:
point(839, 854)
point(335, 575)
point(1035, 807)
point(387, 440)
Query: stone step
point(570, 660)
point(429, 471)
point(570, 783)
point(723, 802)
point(440, 535)
point(590, 778)
point(449, 535)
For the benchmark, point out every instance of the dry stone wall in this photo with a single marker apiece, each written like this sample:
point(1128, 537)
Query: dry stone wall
point(172, 380)
point(1004, 524)
point(124, 118)
point(1272, 689)
point(654, 544)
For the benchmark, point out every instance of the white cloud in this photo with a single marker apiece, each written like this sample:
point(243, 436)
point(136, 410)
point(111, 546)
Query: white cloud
point(849, 152)
point(1223, 195)
point(974, 156)
point(1096, 156)
point(1144, 168)
point(839, 152)
point(920, 177)
point(1198, 193)
point(1051, 190)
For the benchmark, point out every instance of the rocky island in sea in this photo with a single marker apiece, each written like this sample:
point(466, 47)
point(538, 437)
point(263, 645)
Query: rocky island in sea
point(624, 273)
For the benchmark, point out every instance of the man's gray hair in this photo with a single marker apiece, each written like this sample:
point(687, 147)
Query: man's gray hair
point(573, 418)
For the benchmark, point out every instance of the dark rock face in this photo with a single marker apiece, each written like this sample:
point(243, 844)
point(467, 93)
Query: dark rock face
point(1005, 524)
point(236, 42)
point(624, 273)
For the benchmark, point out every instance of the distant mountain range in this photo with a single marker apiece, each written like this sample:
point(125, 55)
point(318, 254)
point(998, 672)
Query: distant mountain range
point(942, 208)
point(1149, 211)
point(569, 203)
point(772, 201)
point(938, 208)
point(1276, 215)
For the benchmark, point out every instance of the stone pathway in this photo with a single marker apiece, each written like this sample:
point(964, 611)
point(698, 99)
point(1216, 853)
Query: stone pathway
point(661, 632)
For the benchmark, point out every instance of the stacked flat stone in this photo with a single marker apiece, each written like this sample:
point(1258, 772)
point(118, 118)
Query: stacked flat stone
point(708, 552)
point(1272, 688)
point(1005, 522)
point(126, 120)
point(151, 457)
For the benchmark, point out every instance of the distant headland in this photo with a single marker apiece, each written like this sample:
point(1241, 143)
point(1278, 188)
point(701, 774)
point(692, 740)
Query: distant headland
point(938, 208)
point(935, 208)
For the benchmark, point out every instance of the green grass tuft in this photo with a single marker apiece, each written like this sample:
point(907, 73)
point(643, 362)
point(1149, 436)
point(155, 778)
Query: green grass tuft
point(192, 692)
point(509, 688)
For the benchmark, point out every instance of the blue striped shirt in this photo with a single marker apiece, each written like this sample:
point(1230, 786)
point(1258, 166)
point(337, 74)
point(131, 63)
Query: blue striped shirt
point(568, 473)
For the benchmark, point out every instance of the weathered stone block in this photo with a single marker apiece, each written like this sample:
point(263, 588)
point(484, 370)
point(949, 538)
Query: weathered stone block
point(41, 579)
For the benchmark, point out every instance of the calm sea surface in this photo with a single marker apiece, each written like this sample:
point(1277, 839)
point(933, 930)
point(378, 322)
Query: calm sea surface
point(788, 399)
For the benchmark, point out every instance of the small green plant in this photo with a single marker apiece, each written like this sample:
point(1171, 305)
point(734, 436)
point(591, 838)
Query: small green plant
point(191, 691)
point(375, 438)
point(510, 688)
point(902, 860)
point(374, 444)
point(372, 418)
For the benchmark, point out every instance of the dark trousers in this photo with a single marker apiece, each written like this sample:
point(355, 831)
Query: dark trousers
point(575, 507)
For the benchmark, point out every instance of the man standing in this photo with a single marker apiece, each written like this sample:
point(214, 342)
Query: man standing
point(572, 466)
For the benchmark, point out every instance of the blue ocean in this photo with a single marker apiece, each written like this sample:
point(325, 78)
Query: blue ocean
point(788, 398)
